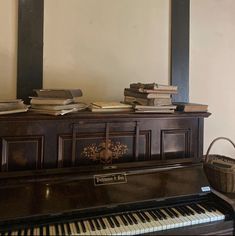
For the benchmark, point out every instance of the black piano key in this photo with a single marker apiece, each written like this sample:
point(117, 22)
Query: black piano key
point(62, 228)
point(110, 222)
point(25, 232)
point(198, 209)
point(83, 226)
point(56, 230)
point(174, 212)
point(145, 216)
point(47, 230)
point(161, 213)
point(211, 206)
point(68, 228)
point(31, 230)
point(102, 223)
point(169, 212)
point(206, 207)
point(180, 211)
point(190, 210)
point(141, 217)
point(91, 225)
point(123, 219)
point(97, 224)
point(220, 208)
point(152, 214)
point(128, 218)
point(187, 212)
point(160, 217)
point(41, 230)
point(77, 227)
point(133, 218)
point(115, 221)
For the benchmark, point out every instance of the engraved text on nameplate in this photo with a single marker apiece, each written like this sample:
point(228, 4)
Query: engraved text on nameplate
point(113, 178)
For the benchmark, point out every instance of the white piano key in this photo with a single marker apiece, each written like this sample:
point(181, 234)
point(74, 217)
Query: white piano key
point(184, 219)
point(171, 223)
point(52, 230)
point(65, 229)
point(44, 230)
point(124, 229)
point(97, 231)
point(202, 218)
point(155, 223)
point(138, 228)
point(145, 226)
point(109, 228)
point(14, 233)
point(59, 229)
point(88, 229)
point(73, 228)
point(213, 215)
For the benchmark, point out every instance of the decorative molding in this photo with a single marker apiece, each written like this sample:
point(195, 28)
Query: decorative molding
point(103, 153)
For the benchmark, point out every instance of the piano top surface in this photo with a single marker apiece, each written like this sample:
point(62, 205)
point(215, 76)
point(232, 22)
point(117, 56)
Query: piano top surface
point(78, 192)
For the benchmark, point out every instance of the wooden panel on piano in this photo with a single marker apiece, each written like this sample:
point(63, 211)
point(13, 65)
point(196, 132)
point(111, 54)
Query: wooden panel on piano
point(175, 143)
point(127, 138)
point(90, 149)
point(22, 153)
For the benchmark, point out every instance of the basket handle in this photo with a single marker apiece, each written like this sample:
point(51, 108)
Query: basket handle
point(216, 139)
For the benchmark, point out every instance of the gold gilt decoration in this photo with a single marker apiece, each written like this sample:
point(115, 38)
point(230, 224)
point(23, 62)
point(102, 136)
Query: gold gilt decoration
point(105, 152)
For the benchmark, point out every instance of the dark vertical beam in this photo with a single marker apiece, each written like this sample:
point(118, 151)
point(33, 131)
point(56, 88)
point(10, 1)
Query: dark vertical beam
point(30, 47)
point(180, 18)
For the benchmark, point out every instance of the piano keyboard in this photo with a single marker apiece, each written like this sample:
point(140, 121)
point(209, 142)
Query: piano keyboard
point(131, 223)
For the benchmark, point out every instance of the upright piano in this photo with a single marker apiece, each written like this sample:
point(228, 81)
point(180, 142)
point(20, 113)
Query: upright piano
point(162, 200)
point(112, 174)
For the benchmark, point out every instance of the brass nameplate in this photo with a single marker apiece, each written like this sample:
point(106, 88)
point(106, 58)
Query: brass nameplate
point(113, 178)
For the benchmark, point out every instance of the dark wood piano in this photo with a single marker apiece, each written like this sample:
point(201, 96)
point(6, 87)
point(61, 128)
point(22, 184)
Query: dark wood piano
point(112, 174)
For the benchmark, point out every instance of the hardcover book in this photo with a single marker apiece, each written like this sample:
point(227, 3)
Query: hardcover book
point(137, 93)
point(58, 93)
point(153, 86)
point(191, 107)
point(50, 101)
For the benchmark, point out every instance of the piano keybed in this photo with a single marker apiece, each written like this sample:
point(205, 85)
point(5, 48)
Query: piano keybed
point(134, 222)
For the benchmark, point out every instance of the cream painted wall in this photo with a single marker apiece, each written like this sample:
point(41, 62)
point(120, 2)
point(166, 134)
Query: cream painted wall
point(8, 44)
point(212, 68)
point(102, 46)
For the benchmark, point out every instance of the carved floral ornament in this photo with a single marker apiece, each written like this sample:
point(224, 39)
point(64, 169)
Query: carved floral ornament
point(105, 152)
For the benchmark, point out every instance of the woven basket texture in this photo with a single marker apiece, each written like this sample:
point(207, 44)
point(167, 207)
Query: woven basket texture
point(219, 177)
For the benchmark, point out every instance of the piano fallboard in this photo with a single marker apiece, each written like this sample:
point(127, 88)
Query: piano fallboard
point(169, 200)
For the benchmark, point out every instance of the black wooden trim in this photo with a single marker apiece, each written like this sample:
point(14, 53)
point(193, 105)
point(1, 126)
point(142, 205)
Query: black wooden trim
point(180, 18)
point(30, 47)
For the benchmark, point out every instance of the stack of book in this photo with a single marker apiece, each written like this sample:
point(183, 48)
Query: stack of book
point(10, 106)
point(110, 107)
point(56, 101)
point(151, 97)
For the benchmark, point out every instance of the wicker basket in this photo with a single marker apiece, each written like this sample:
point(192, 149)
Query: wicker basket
point(220, 170)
